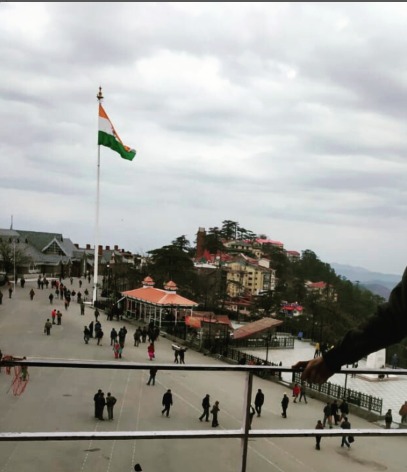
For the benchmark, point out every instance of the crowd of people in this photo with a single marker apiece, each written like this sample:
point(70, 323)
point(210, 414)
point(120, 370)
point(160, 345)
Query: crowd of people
point(317, 370)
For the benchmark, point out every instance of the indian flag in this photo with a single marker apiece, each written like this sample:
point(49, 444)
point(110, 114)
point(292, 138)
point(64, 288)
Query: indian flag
point(108, 137)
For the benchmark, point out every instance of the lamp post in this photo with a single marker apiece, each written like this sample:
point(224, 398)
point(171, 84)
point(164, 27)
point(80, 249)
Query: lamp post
point(14, 241)
point(267, 339)
point(14, 245)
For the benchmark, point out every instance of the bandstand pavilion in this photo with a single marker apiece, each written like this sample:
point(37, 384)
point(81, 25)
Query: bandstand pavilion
point(153, 304)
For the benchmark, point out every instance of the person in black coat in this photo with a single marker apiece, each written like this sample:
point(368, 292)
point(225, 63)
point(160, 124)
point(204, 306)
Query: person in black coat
point(101, 403)
point(258, 401)
point(91, 329)
point(206, 404)
point(95, 397)
point(167, 403)
point(284, 405)
point(345, 425)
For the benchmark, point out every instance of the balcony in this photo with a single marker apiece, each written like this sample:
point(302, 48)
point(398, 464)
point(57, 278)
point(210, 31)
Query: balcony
point(180, 443)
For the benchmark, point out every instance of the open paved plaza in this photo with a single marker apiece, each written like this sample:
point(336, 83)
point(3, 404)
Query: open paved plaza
point(61, 399)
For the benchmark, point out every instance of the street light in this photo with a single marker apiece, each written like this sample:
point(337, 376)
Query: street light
point(14, 244)
point(267, 338)
point(14, 241)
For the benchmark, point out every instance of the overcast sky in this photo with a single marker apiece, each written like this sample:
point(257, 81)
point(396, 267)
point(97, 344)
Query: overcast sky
point(287, 118)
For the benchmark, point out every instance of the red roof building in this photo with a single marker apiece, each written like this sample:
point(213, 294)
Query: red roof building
point(151, 304)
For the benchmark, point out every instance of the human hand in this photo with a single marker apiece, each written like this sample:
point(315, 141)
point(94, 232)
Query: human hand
point(314, 371)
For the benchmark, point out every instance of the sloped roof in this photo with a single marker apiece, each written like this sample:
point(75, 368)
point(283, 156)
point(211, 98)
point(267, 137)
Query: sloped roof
point(33, 243)
point(257, 327)
point(316, 285)
point(269, 241)
point(39, 239)
point(293, 253)
point(157, 296)
point(195, 320)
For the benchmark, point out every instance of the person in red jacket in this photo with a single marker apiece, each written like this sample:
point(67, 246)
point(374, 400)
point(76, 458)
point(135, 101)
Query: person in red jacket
point(151, 351)
point(296, 392)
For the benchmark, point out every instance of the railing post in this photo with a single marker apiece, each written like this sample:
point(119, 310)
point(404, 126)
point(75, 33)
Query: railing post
point(246, 419)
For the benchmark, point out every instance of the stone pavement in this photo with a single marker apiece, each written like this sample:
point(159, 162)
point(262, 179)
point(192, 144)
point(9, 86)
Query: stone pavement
point(61, 399)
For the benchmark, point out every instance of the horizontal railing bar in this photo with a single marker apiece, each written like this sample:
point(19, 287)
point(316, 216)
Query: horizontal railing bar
point(82, 364)
point(198, 434)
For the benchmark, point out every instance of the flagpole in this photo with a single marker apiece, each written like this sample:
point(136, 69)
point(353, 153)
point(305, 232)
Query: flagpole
point(99, 96)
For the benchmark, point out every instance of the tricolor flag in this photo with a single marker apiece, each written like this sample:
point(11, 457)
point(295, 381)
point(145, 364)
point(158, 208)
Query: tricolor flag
point(108, 136)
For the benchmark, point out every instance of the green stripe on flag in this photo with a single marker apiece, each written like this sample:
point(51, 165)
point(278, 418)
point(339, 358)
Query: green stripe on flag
point(111, 142)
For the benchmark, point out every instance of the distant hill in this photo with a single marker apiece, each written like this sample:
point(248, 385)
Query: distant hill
point(377, 289)
point(376, 282)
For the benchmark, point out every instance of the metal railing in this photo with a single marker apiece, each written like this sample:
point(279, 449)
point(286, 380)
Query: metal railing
point(244, 433)
point(362, 400)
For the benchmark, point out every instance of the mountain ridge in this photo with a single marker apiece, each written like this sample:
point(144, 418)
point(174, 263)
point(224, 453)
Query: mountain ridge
point(377, 282)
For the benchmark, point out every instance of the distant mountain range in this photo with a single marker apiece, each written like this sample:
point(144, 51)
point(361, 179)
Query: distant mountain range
point(377, 282)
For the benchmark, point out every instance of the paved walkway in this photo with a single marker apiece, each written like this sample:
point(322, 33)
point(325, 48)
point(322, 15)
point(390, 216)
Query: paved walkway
point(62, 400)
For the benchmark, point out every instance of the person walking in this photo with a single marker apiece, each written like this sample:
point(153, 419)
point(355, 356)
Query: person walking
point(176, 355)
point(51, 298)
point(327, 415)
point(101, 403)
point(113, 336)
point(153, 373)
point(10, 290)
point(53, 315)
point(91, 329)
point(345, 425)
point(394, 361)
point(317, 351)
point(32, 293)
point(47, 327)
point(258, 402)
point(296, 392)
point(137, 337)
point(99, 336)
point(334, 412)
point(95, 397)
point(403, 412)
point(59, 317)
point(284, 405)
point(122, 335)
point(82, 308)
point(206, 404)
point(388, 419)
point(151, 351)
point(303, 394)
point(86, 334)
point(116, 349)
point(110, 403)
point(319, 425)
point(167, 403)
point(182, 352)
point(344, 409)
point(215, 411)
